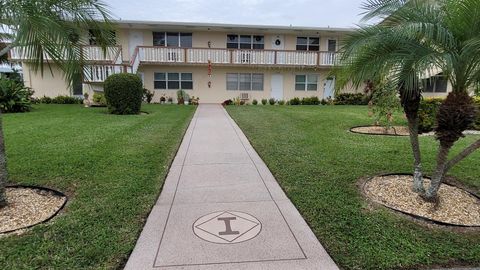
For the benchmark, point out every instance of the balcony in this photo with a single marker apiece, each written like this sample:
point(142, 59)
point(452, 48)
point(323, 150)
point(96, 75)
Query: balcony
point(90, 53)
point(98, 73)
point(166, 55)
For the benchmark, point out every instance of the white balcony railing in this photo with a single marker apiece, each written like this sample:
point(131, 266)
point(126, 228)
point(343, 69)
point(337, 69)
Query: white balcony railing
point(90, 53)
point(98, 73)
point(235, 57)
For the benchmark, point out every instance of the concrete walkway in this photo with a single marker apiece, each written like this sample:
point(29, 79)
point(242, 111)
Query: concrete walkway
point(221, 208)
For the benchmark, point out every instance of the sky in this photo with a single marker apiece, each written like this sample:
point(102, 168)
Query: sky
point(320, 13)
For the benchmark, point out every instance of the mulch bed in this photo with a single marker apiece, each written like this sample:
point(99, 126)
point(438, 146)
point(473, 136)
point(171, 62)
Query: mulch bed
point(380, 130)
point(29, 206)
point(455, 205)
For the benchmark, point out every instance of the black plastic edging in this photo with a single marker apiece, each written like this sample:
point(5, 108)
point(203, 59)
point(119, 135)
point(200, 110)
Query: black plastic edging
point(55, 192)
point(375, 134)
point(421, 217)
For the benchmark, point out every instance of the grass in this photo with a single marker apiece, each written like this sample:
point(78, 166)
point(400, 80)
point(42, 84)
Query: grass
point(318, 163)
point(111, 167)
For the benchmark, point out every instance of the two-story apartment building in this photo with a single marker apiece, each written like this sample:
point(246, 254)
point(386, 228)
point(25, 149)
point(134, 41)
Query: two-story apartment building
point(214, 62)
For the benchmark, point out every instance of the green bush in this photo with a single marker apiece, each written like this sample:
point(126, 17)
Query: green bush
point(14, 96)
point(351, 99)
point(295, 101)
point(124, 93)
point(66, 100)
point(45, 100)
point(99, 99)
point(310, 100)
point(271, 101)
point(477, 122)
point(427, 113)
point(264, 101)
point(148, 95)
point(281, 102)
point(254, 102)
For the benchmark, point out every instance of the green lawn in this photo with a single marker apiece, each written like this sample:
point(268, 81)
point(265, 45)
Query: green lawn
point(111, 167)
point(318, 163)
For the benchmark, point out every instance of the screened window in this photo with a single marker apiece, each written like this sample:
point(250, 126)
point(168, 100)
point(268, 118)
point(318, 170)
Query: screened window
point(332, 45)
point(245, 42)
point(436, 84)
point(245, 81)
point(307, 82)
point(308, 44)
point(173, 81)
point(172, 39)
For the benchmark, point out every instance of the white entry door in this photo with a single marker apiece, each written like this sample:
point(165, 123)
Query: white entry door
point(329, 88)
point(277, 86)
point(135, 38)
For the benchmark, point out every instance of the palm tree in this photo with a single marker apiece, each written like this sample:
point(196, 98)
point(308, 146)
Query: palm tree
point(50, 30)
point(414, 40)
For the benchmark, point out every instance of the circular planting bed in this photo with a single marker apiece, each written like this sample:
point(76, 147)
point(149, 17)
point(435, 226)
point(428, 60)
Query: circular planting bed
point(29, 206)
point(380, 130)
point(455, 206)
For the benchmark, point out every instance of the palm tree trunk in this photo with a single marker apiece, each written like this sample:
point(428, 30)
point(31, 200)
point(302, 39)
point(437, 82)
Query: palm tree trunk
point(438, 175)
point(417, 174)
point(3, 168)
point(411, 106)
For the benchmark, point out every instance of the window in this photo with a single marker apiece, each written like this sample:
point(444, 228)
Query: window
point(172, 81)
point(245, 81)
point(332, 45)
point(435, 84)
point(172, 39)
point(92, 37)
point(308, 82)
point(245, 42)
point(308, 44)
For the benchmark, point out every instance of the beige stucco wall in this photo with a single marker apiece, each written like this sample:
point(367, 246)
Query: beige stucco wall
point(50, 84)
point(218, 93)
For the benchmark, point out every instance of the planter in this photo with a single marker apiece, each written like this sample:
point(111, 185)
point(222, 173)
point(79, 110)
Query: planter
point(185, 102)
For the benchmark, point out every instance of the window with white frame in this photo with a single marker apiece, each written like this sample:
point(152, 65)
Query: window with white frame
point(172, 81)
point(435, 84)
point(172, 39)
point(308, 43)
point(306, 82)
point(235, 41)
point(245, 81)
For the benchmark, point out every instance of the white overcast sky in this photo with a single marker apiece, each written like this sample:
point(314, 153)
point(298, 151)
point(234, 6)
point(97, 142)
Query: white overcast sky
point(321, 13)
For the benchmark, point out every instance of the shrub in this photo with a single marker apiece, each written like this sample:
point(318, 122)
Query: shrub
point(148, 95)
point(99, 99)
point(271, 101)
point(323, 102)
point(477, 103)
point(310, 100)
point(66, 100)
point(427, 113)
point(123, 93)
point(242, 102)
point(264, 101)
point(227, 102)
point(351, 99)
point(45, 100)
point(281, 102)
point(255, 102)
point(182, 96)
point(14, 96)
point(295, 101)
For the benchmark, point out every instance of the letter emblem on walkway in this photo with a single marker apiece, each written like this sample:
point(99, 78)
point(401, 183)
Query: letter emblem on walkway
point(227, 227)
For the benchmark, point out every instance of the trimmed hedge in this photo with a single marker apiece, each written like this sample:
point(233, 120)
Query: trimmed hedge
point(66, 100)
point(351, 99)
point(124, 93)
point(427, 113)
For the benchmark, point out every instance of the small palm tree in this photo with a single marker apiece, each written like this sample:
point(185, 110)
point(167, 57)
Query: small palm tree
point(415, 39)
point(50, 30)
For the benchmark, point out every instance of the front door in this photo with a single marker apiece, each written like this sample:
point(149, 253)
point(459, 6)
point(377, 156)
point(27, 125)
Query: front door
point(277, 86)
point(328, 88)
point(135, 38)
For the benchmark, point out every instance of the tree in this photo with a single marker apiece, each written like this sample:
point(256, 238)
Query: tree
point(417, 39)
point(50, 30)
